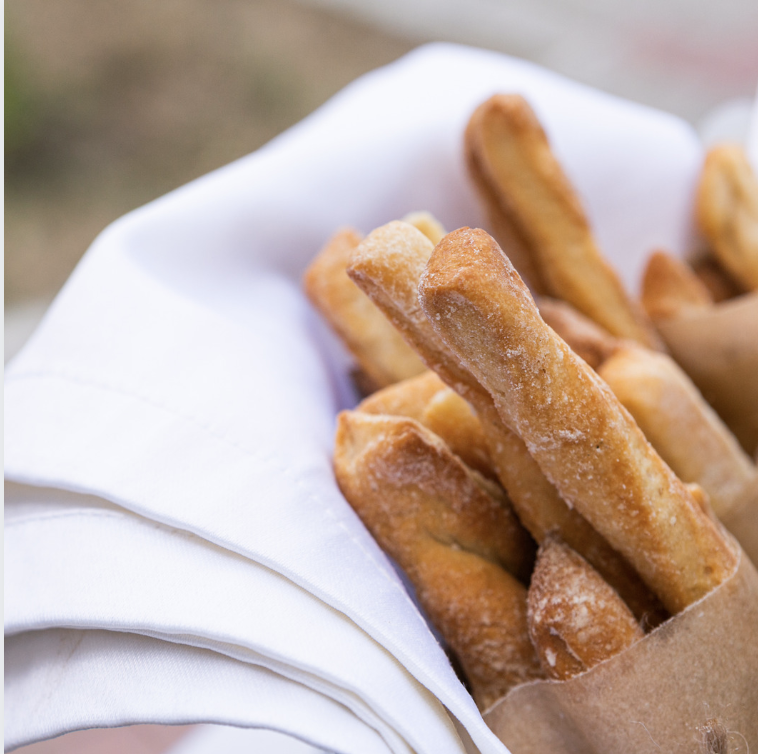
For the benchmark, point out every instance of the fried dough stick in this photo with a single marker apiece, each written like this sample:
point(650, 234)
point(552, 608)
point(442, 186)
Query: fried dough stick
point(576, 620)
point(388, 266)
point(681, 426)
point(509, 155)
point(382, 355)
point(727, 212)
point(584, 441)
point(454, 537)
point(429, 401)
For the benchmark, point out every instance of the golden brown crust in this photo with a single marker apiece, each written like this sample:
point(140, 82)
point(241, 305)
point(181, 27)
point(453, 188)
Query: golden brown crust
point(456, 539)
point(680, 425)
point(512, 164)
point(544, 513)
point(727, 212)
point(382, 355)
point(433, 404)
point(587, 340)
point(671, 289)
point(585, 442)
point(576, 620)
point(388, 268)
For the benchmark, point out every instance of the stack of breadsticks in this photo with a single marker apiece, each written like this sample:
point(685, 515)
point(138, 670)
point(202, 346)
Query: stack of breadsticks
point(547, 476)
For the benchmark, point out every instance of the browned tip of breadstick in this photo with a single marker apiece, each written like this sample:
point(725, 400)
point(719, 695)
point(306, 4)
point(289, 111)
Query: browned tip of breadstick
point(444, 497)
point(434, 405)
point(387, 266)
point(512, 161)
point(670, 288)
point(727, 211)
point(452, 535)
point(588, 340)
point(381, 353)
point(576, 620)
point(681, 426)
point(585, 442)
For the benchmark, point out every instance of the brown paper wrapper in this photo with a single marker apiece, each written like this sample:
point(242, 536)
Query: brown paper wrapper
point(689, 686)
point(718, 348)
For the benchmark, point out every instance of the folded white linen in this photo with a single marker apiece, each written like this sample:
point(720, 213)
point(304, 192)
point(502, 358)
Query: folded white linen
point(64, 679)
point(181, 375)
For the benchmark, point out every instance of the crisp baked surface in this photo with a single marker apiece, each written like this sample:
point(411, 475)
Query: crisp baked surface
point(433, 404)
point(682, 427)
point(381, 353)
point(584, 441)
point(388, 267)
point(453, 534)
point(588, 340)
point(576, 620)
point(513, 165)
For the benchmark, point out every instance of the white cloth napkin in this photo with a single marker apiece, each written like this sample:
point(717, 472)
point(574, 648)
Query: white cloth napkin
point(169, 426)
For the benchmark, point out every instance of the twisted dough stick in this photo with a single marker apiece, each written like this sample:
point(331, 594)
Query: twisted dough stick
point(511, 160)
point(576, 620)
point(387, 266)
point(454, 538)
point(727, 212)
point(583, 439)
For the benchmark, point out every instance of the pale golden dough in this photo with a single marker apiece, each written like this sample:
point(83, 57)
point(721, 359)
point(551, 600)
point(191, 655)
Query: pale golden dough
point(388, 266)
point(433, 404)
point(727, 212)
point(586, 339)
point(681, 426)
point(453, 535)
point(511, 160)
point(576, 620)
point(382, 355)
point(585, 442)
point(427, 224)
point(670, 288)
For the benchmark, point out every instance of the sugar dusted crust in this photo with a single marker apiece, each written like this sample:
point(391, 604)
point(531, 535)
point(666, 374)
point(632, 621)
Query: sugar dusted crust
point(584, 441)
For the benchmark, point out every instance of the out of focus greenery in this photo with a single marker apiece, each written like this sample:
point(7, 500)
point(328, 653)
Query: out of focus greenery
point(20, 105)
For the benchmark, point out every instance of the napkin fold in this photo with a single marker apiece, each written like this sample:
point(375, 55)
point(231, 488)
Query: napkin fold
point(176, 547)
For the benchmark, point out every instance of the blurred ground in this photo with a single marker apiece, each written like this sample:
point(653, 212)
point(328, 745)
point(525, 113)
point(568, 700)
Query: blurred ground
point(113, 104)
point(109, 105)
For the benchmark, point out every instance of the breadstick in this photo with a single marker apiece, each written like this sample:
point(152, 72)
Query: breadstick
point(382, 354)
point(670, 288)
point(427, 224)
point(586, 339)
point(435, 406)
point(576, 620)
point(457, 542)
point(388, 266)
point(583, 439)
point(727, 212)
point(681, 426)
point(510, 153)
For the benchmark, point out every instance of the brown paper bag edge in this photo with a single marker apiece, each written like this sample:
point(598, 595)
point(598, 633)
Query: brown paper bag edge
point(691, 686)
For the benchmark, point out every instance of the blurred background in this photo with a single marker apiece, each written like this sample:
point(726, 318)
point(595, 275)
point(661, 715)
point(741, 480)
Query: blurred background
point(109, 105)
